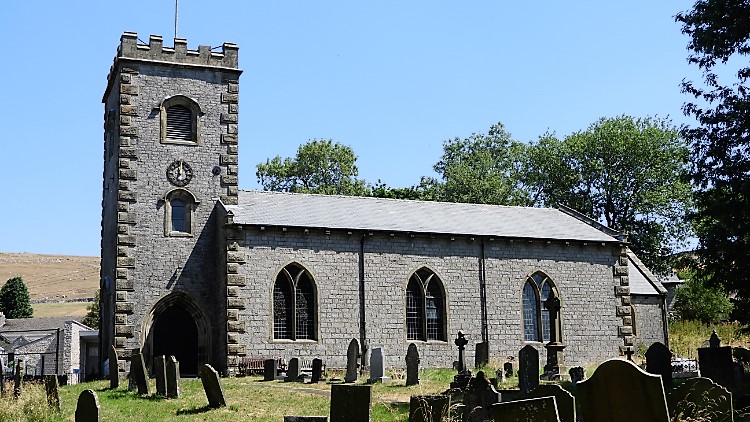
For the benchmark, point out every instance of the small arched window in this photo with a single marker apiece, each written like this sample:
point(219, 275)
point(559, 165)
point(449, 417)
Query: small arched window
point(179, 208)
point(536, 318)
point(179, 216)
point(179, 120)
point(425, 307)
point(294, 304)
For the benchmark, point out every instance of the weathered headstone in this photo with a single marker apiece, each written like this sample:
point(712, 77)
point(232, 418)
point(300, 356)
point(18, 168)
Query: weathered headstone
point(270, 367)
point(350, 403)
point(508, 368)
point(160, 372)
point(577, 374)
point(659, 362)
point(429, 408)
point(138, 372)
point(619, 391)
point(528, 369)
point(461, 380)
point(305, 418)
point(173, 377)
point(2, 380)
point(482, 354)
point(212, 386)
point(317, 370)
point(114, 368)
point(377, 366)
point(714, 340)
point(352, 361)
point(292, 370)
point(700, 399)
point(53, 392)
point(716, 363)
point(479, 396)
point(566, 403)
point(412, 365)
point(87, 408)
point(528, 410)
point(18, 380)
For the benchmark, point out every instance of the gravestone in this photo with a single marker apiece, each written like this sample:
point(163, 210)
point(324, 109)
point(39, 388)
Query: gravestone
point(715, 362)
point(270, 367)
point(350, 403)
point(700, 399)
point(305, 418)
point(482, 354)
point(87, 408)
point(377, 366)
point(138, 372)
point(500, 375)
point(461, 380)
point(292, 370)
point(160, 372)
point(53, 392)
point(352, 361)
point(528, 369)
point(528, 410)
point(2, 380)
point(412, 365)
point(619, 391)
point(659, 362)
point(508, 368)
point(479, 396)
point(317, 370)
point(114, 368)
point(173, 377)
point(555, 355)
point(577, 374)
point(429, 408)
point(212, 386)
point(565, 402)
point(18, 377)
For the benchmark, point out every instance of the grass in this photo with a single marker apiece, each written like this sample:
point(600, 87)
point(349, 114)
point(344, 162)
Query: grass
point(685, 337)
point(58, 309)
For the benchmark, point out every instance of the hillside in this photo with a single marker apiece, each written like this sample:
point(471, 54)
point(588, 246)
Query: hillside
point(52, 277)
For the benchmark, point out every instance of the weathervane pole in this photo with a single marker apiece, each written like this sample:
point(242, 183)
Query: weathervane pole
point(175, 18)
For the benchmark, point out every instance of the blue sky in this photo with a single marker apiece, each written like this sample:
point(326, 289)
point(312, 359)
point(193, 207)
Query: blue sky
point(391, 79)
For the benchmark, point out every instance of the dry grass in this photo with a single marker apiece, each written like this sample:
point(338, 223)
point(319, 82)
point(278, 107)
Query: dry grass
point(55, 277)
point(55, 309)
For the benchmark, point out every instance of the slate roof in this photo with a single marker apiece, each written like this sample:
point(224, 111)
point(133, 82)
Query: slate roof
point(642, 281)
point(263, 208)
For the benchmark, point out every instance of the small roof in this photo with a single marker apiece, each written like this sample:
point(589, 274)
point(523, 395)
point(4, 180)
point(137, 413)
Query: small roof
point(265, 208)
point(642, 281)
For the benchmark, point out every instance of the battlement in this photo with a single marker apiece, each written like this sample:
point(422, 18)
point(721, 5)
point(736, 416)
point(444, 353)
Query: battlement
point(154, 50)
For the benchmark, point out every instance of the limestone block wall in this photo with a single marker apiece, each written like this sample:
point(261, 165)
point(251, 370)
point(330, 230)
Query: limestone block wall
point(648, 320)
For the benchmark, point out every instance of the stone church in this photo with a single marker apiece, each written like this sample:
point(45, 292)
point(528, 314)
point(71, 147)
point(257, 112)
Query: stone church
point(194, 267)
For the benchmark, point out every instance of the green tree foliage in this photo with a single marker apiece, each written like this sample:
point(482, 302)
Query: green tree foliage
point(482, 169)
point(92, 316)
point(320, 166)
point(424, 191)
point(719, 32)
point(697, 300)
point(624, 172)
point(14, 299)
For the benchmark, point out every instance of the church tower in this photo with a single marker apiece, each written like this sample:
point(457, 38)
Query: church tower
point(170, 153)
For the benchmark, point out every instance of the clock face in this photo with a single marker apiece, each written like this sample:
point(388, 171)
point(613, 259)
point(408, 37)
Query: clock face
point(179, 173)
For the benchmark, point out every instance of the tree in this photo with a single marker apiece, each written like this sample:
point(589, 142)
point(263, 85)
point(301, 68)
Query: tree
point(14, 299)
point(700, 301)
point(719, 32)
point(481, 169)
point(624, 172)
point(92, 316)
point(424, 191)
point(320, 166)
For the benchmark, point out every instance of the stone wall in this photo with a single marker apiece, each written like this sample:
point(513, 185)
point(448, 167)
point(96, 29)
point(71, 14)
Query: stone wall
point(648, 320)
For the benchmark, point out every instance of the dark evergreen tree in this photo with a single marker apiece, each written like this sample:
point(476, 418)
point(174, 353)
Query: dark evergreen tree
point(14, 299)
point(92, 316)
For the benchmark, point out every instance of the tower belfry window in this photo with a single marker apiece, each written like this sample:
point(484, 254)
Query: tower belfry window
point(180, 119)
point(179, 123)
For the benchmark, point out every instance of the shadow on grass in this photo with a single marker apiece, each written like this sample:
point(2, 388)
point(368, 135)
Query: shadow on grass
point(121, 394)
point(195, 410)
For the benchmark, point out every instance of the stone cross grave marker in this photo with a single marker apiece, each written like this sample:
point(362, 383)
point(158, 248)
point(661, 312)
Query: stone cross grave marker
point(528, 410)
point(528, 369)
point(577, 374)
point(508, 368)
point(270, 367)
point(160, 371)
point(700, 399)
point(429, 408)
point(114, 368)
point(412, 365)
point(138, 372)
point(377, 366)
point(18, 380)
point(317, 371)
point(479, 396)
point(87, 408)
point(462, 378)
point(352, 358)
point(53, 391)
point(350, 403)
point(173, 377)
point(292, 370)
point(619, 391)
point(482, 355)
point(659, 362)
point(716, 363)
point(566, 403)
point(212, 386)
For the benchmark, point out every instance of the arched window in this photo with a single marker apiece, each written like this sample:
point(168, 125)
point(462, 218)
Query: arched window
point(179, 117)
point(536, 318)
point(425, 307)
point(179, 207)
point(294, 305)
point(179, 216)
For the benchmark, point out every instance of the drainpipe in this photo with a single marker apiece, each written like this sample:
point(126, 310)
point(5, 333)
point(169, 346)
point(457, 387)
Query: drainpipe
point(483, 292)
point(362, 317)
point(664, 319)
